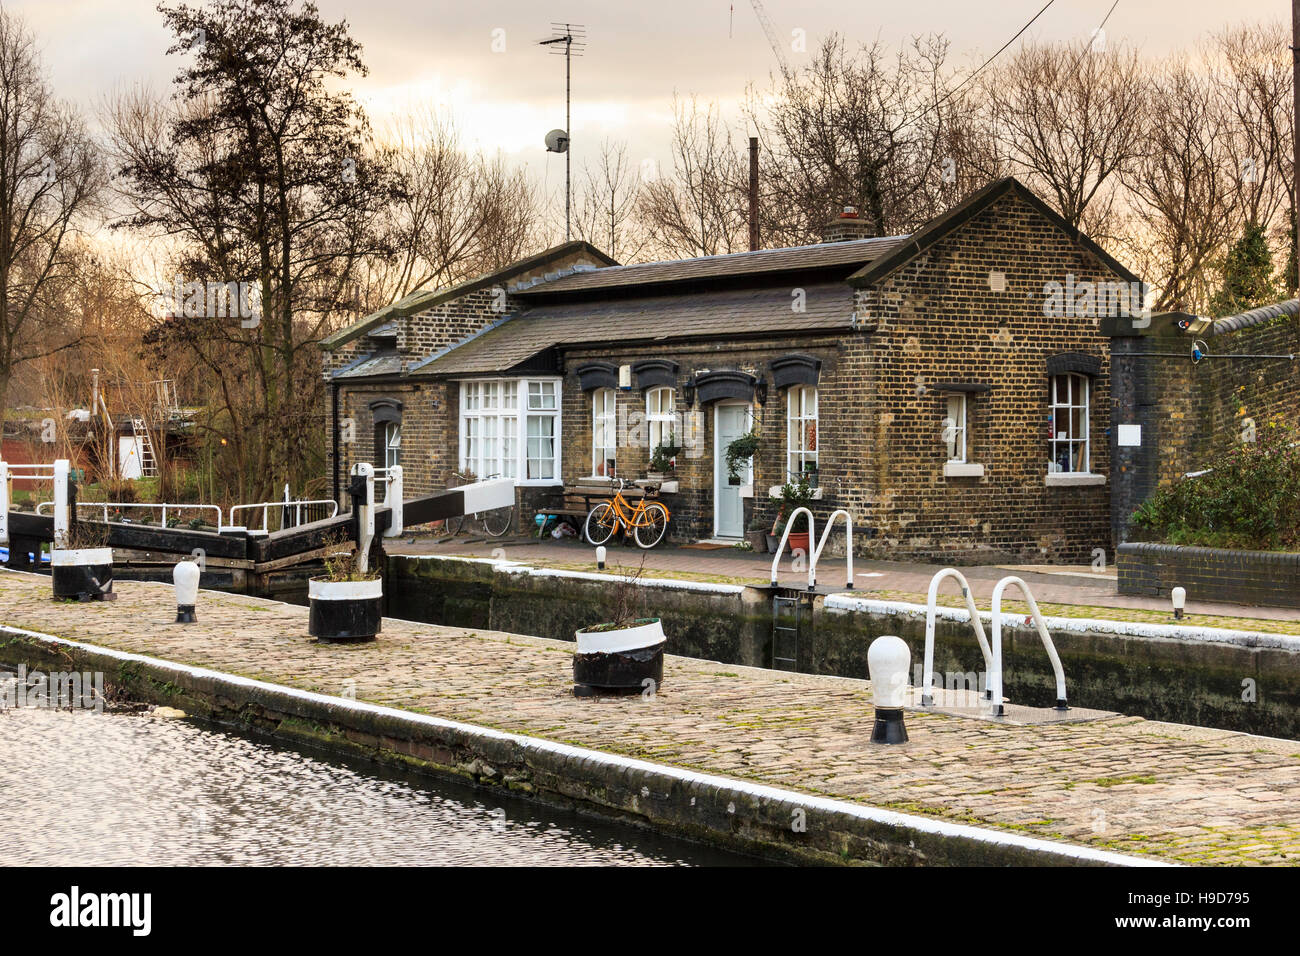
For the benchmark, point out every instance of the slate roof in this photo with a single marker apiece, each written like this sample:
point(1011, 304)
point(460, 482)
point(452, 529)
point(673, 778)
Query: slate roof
point(723, 314)
point(427, 298)
point(909, 247)
point(848, 255)
point(387, 362)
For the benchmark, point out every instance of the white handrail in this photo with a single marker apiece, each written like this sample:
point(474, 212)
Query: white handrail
point(163, 506)
point(785, 535)
point(931, 602)
point(297, 504)
point(848, 546)
point(995, 676)
point(59, 471)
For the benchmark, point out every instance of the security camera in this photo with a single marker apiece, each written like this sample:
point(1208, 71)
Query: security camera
point(1194, 324)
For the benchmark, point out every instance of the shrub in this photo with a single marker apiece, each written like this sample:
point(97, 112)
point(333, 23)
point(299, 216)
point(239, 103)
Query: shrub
point(1249, 498)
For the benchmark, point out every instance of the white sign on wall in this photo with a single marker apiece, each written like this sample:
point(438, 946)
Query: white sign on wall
point(1130, 436)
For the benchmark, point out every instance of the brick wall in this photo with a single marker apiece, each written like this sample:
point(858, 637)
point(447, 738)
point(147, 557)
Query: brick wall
point(1269, 578)
point(692, 506)
point(939, 320)
point(1191, 413)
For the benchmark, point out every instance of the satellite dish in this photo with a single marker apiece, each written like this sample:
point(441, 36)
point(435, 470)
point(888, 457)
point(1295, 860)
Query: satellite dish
point(557, 141)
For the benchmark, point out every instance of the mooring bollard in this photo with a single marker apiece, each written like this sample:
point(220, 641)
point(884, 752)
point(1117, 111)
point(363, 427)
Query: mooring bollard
point(600, 558)
point(888, 661)
point(186, 578)
point(1179, 597)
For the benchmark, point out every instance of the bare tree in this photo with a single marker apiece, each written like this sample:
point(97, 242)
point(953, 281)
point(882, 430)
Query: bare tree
point(460, 214)
point(1071, 117)
point(860, 128)
point(1183, 188)
point(263, 172)
point(50, 183)
point(607, 201)
point(699, 208)
point(1253, 72)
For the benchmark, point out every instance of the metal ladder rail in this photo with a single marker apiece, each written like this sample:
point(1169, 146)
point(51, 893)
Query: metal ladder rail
point(848, 547)
point(785, 536)
point(995, 674)
point(927, 678)
point(778, 602)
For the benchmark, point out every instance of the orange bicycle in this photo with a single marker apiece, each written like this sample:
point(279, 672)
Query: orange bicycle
point(648, 521)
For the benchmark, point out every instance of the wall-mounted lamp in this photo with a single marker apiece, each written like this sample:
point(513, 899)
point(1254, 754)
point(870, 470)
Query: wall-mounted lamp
point(760, 392)
point(688, 393)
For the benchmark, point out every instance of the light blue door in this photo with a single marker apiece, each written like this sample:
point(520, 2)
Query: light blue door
point(729, 423)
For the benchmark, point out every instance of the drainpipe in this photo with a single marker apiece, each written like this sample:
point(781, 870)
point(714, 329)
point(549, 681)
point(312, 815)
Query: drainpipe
point(334, 418)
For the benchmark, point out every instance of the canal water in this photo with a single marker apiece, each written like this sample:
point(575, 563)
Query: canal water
point(122, 789)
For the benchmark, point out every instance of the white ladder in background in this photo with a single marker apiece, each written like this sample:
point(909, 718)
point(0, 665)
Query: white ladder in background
point(144, 445)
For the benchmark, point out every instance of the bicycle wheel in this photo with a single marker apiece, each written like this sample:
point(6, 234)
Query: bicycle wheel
point(497, 521)
point(651, 526)
point(450, 527)
point(600, 524)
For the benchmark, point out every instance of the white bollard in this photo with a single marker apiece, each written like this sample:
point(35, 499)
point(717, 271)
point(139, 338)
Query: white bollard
point(186, 578)
point(600, 557)
point(888, 660)
point(1179, 598)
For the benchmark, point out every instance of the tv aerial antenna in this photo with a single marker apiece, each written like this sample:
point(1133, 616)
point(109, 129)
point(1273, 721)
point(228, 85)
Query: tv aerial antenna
point(569, 39)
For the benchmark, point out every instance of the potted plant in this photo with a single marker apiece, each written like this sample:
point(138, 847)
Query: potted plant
point(82, 569)
point(346, 601)
point(757, 535)
point(795, 494)
point(625, 653)
point(663, 460)
point(741, 450)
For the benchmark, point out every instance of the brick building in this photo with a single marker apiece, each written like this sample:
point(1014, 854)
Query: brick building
point(950, 388)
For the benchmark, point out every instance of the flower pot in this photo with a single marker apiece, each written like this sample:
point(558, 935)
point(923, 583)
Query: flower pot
point(345, 610)
point(798, 541)
point(619, 660)
point(757, 540)
point(83, 574)
point(773, 542)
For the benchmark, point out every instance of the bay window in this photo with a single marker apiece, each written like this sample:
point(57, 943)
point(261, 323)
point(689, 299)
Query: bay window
point(510, 428)
point(801, 429)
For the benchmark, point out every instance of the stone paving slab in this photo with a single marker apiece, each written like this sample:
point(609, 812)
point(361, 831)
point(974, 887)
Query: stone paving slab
point(1121, 783)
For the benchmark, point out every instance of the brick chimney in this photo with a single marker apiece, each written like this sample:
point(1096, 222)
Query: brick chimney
point(848, 225)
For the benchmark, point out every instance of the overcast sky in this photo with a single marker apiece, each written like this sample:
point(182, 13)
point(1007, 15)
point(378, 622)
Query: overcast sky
point(638, 54)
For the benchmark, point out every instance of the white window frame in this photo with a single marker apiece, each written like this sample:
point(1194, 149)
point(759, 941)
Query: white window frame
point(392, 444)
point(495, 419)
point(1077, 397)
point(604, 421)
point(661, 421)
point(796, 416)
point(954, 427)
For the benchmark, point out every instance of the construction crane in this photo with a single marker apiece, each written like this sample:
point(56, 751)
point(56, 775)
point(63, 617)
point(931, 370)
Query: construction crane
point(766, 23)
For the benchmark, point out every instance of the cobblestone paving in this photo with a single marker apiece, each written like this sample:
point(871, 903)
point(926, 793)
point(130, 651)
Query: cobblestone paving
point(1182, 793)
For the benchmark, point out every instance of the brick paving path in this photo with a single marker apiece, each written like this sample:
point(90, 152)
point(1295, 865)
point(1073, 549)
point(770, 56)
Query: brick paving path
point(1050, 587)
point(1181, 793)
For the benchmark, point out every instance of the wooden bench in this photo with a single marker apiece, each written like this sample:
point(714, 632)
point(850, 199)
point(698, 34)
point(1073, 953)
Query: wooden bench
point(576, 501)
